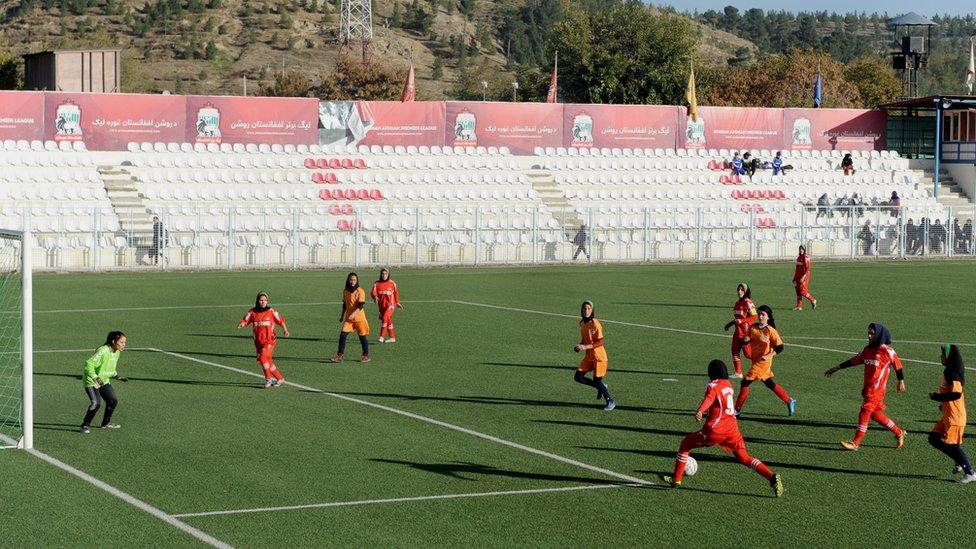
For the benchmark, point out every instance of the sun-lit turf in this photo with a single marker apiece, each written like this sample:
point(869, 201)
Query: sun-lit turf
point(198, 438)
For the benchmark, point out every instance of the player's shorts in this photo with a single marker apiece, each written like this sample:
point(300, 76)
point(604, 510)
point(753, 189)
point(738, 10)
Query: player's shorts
point(730, 441)
point(598, 367)
point(759, 372)
point(802, 288)
point(265, 351)
point(951, 434)
point(360, 325)
point(873, 405)
point(739, 345)
point(386, 317)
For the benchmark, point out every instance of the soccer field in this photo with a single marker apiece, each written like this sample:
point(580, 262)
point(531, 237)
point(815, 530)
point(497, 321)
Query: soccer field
point(469, 431)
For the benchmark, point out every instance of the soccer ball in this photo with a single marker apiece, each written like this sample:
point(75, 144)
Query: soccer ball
point(691, 467)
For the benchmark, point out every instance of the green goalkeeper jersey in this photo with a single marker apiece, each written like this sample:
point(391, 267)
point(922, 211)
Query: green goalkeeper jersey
point(101, 365)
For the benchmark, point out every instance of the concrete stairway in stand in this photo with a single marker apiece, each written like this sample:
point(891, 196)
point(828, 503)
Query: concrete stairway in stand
point(130, 206)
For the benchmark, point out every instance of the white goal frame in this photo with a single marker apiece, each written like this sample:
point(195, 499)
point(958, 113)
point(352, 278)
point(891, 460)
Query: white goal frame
point(27, 334)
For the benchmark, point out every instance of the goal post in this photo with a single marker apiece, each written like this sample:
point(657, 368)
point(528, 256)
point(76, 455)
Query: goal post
point(16, 341)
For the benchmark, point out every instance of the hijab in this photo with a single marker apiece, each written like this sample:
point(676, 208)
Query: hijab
point(769, 311)
point(881, 335)
point(349, 287)
point(585, 318)
point(954, 367)
point(257, 303)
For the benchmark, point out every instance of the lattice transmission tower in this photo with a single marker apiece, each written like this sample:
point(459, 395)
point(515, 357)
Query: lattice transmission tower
point(356, 27)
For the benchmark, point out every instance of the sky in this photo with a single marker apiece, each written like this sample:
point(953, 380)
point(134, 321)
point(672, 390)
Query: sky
point(892, 7)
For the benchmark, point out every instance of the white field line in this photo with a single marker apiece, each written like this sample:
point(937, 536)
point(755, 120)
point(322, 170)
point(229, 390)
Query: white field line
point(677, 330)
point(406, 499)
point(188, 307)
point(824, 338)
point(128, 498)
point(425, 419)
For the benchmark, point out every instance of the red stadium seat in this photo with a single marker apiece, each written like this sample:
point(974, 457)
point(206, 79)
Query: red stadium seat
point(363, 194)
point(736, 179)
point(325, 194)
point(346, 164)
point(346, 209)
point(318, 177)
point(350, 194)
point(321, 163)
point(725, 180)
point(745, 208)
point(342, 225)
point(360, 164)
point(737, 195)
point(310, 163)
point(331, 178)
point(334, 163)
point(335, 209)
point(780, 195)
point(376, 194)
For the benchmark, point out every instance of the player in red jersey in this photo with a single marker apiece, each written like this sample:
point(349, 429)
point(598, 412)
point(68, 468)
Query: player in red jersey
point(743, 315)
point(801, 280)
point(264, 319)
point(386, 295)
point(877, 357)
point(721, 429)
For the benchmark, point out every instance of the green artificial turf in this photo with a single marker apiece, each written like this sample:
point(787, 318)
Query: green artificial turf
point(198, 438)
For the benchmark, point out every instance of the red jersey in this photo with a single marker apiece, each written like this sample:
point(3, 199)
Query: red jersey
point(744, 314)
point(264, 324)
point(876, 362)
point(385, 294)
point(802, 271)
point(719, 401)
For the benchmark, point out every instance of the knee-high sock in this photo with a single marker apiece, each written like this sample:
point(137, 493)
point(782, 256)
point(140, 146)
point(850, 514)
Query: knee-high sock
point(580, 377)
point(342, 342)
point(737, 362)
point(809, 297)
point(383, 331)
point(679, 465)
point(275, 372)
point(862, 426)
point(954, 451)
point(601, 387)
point(740, 401)
point(887, 422)
point(778, 389)
point(365, 343)
point(742, 457)
point(799, 301)
point(267, 371)
point(391, 332)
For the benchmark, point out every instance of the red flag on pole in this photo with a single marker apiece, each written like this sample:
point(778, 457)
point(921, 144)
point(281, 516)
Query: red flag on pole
point(553, 82)
point(409, 89)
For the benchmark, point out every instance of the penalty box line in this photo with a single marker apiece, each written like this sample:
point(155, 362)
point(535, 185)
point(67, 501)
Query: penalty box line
point(675, 330)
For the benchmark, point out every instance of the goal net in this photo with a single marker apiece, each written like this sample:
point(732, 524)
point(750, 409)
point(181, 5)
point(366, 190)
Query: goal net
point(16, 417)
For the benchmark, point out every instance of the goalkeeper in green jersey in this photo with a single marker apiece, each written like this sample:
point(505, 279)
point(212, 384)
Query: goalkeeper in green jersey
point(99, 371)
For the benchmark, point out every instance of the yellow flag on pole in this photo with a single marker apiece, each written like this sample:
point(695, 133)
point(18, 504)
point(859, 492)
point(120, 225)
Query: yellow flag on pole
point(692, 96)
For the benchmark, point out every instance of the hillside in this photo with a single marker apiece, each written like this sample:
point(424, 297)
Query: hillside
point(208, 46)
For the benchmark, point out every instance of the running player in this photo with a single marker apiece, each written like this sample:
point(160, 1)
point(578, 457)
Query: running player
point(946, 435)
point(801, 280)
point(263, 320)
point(386, 295)
point(98, 374)
point(743, 315)
point(595, 360)
point(353, 317)
point(763, 344)
point(877, 357)
point(720, 429)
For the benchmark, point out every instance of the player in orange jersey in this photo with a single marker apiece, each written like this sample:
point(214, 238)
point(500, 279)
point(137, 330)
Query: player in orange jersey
point(264, 319)
point(353, 317)
point(595, 359)
point(720, 429)
point(764, 343)
point(386, 295)
point(743, 315)
point(946, 435)
point(877, 357)
point(801, 280)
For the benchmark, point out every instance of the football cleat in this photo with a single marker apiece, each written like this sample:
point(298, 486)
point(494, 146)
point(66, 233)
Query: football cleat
point(84, 429)
point(277, 383)
point(849, 445)
point(956, 469)
point(111, 426)
point(669, 480)
point(364, 358)
point(967, 479)
point(900, 440)
point(791, 406)
point(267, 383)
point(776, 483)
point(736, 376)
point(337, 358)
point(391, 340)
point(814, 304)
point(381, 340)
point(610, 405)
point(797, 308)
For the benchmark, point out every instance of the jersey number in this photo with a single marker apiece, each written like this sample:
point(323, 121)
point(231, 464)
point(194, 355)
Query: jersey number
point(729, 404)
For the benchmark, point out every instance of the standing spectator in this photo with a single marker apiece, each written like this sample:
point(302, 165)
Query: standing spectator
point(823, 206)
point(737, 165)
point(895, 204)
point(580, 240)
point(924, 230)
point(158, 240)
point(967, 236)
point(938, 236)
point(847, 164)
point(867, 238)
point(911, 237)
point(843, 203)
point(957, 240)
point(778, 168)
point(856, 202)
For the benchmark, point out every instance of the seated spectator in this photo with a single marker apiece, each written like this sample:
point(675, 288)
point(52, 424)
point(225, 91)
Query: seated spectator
point(843, 203)
point(895, 203)
point(937, 236)
point(911, 237)
point(967, 236)
point(856, 203)
point(823, 205)
point(847, 164)
point(778, 167)
point(737, 165)
point(866, 236)
point(957, 240)
point(751, 164)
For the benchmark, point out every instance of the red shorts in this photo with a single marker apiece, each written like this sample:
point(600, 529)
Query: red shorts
point(729, 441)
point(873, 405)
point(802, 288)
point(265, 351)
point(386, 317)
point(739, 345)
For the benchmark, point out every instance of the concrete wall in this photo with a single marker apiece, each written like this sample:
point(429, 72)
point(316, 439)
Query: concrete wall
point(965, 176)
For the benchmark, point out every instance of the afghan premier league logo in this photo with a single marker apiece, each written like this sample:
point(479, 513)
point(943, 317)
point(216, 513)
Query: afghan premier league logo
point(465, 129)
point(695, 132)
point(208, 124)
point(582, 130)
point(801, 132)
point(67, 122)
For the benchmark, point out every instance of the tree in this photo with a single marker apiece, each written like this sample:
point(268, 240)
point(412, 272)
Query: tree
point(290, 84)
point(9, 73)
point(396, 20)
point(438, 71)
point(352, 81)
point(210, 52)
point(875, 81)
point(467, 8)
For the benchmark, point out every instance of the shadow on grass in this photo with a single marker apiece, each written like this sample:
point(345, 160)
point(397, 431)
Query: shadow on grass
point(250, 356)
point(592, 405)
point(681, 305)
point(459, 470)
point(72, 427)
point(570, 368)
point(252, 385)
point(250, 337)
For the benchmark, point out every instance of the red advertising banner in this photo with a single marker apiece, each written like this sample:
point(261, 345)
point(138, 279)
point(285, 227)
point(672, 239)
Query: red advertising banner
point(830, 129)
point(519, 126)
point(227, 119)
point(382, 123)
point(21, 115)
point(110, 121)
point(620, 126)
point(733, 128)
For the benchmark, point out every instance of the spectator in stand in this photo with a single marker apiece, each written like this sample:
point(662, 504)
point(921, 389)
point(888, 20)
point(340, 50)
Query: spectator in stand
point(580, 241)
point(957, 240)
point(737, 165)
point(843, 204)
point(967, 236)
point(894, 203)
point(747, 163)
point(911, 237)
point(778, 167)
point(847, 164)
point(937, 236)
point(924, 228)
point(867, 238)
point(856, 202)
point(823, 206)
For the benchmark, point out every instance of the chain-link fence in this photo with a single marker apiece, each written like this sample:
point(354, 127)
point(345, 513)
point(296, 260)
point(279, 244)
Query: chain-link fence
point(280, 237)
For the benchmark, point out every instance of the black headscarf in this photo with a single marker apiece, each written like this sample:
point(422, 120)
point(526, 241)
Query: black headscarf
point(954, 368)
point(717, 370)
point(585, 318)
point(350, 287)
point(769, 311)
point(381, 275)
point(257, 305)
point(881, 335)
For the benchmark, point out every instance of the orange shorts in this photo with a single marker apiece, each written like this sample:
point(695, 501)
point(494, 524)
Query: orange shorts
point(598, 367)
point(760, 371)
point(951, 434)
point(360, 325)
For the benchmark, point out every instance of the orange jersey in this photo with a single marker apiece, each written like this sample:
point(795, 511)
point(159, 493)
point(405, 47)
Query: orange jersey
point(385, 294)
point(762, 341)
point(264, 323)
point(953, 413)
point(876, 361)
point(591, 333)
point(802, 271)
point(719, 403)
point(744, 314)
point(351, 301)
